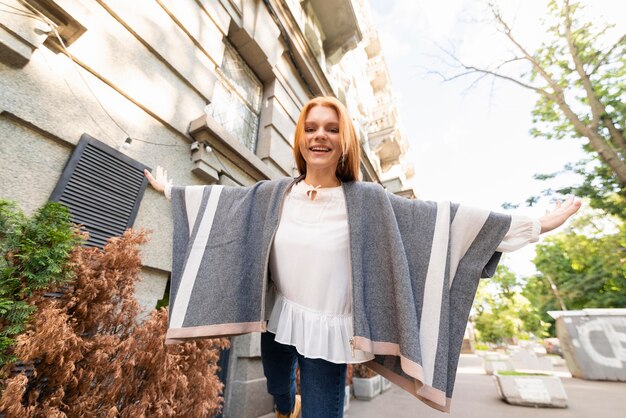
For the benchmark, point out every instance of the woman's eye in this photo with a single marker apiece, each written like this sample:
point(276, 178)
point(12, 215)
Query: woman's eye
point(309, 130)
point(334, 130)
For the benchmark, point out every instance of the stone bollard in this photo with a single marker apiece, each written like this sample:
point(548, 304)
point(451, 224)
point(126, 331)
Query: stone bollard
point(531, 389)
point(493, 362)
point(593, 342)
point(528, 360)
point(366, 388)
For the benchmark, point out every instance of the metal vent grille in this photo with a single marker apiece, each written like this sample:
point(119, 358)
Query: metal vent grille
point(103, 189)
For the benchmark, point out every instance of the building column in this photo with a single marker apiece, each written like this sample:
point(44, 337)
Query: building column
point(245, 395)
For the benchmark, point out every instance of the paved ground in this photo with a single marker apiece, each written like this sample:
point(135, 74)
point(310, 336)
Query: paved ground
point(475, 396)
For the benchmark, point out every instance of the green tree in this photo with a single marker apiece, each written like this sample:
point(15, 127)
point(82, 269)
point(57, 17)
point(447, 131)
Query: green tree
point(579, 76)
point(34, 255)
point(502, 312)
point(584, 267)
point(584, 98)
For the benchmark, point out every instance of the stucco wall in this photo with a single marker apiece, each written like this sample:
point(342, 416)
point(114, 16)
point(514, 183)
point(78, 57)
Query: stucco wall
point(150, 65)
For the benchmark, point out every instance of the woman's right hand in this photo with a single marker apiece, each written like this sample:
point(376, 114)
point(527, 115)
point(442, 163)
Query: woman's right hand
point(160, 182)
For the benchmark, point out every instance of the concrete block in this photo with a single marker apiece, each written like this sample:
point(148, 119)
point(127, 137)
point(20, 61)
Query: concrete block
point(246, 391)
point(531, 390)
point(385, 384)
point(249, 400)
point(247, 369)
point(557, 361)
point(366, 388)
point(493, 362)
point(248, 345)
point(593, 344)
point(528, 360)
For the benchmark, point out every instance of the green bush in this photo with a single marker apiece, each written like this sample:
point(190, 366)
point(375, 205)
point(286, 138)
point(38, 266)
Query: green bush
point(34, 257)
point(479, 346)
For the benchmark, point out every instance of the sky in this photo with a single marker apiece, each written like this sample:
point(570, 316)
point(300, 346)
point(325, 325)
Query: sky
point(472, 144)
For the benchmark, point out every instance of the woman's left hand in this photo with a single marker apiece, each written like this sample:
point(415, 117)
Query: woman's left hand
point(561, 213)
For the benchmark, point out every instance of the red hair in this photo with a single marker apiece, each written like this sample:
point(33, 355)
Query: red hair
point(350, 146)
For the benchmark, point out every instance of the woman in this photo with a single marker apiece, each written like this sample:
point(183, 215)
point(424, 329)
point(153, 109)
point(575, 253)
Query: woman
point(351, 273)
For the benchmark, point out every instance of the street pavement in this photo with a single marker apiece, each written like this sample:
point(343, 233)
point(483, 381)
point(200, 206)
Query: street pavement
point(475, 396)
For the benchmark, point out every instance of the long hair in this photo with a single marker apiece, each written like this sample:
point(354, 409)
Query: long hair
point(350, 147)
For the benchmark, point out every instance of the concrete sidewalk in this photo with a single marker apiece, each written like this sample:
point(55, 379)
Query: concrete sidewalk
point(475, 396)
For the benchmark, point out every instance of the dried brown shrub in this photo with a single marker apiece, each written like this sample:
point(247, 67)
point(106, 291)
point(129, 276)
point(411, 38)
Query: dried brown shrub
point(362, 371)
point(91, 358)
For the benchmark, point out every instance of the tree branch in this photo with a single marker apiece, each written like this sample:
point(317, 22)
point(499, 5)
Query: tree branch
point(607, 54)
point(617, 136)
point(597, 110)
point(470, 69)
point(599, 144)
point(558, 91)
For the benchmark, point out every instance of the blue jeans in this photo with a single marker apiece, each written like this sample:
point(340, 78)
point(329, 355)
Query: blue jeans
point(322, 383)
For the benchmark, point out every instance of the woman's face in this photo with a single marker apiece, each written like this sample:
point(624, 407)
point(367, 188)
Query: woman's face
point(321, 148)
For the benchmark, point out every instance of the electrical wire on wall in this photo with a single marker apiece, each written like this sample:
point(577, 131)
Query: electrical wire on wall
point(36, 14)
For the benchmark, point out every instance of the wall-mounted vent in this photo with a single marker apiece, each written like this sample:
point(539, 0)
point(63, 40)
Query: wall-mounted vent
point(103, 189)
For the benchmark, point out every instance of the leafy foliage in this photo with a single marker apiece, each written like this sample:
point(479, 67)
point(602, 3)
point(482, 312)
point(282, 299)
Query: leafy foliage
point(579, 76)
point(34, 256)
point(90, 357)
point(502, 313)
point(583, 73)
point(587, 266)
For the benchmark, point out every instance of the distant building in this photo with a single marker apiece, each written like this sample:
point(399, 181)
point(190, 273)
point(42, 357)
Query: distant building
point(209, 89)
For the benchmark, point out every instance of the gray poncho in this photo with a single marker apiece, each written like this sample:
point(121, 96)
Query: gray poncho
point(415, 269)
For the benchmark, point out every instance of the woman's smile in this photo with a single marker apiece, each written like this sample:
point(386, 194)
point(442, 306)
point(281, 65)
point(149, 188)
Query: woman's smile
point(322, 148)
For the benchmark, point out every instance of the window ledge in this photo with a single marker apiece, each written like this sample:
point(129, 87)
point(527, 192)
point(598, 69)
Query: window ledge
point(207, 130)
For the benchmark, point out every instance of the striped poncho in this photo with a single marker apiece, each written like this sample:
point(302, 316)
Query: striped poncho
point(415, 268)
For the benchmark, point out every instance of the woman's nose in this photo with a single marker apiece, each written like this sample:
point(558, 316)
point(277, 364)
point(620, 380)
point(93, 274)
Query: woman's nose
point(320, 133)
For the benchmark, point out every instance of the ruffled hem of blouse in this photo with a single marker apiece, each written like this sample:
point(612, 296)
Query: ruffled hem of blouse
point(314, 334)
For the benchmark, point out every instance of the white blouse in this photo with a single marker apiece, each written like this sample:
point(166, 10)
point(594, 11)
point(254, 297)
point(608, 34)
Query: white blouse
point(310, 267)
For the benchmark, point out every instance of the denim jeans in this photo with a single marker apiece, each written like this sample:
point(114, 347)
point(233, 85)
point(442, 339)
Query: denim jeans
point(322, 383)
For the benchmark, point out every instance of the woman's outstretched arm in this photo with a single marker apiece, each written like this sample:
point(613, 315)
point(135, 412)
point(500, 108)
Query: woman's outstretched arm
point(525, 230)
point(561, 213)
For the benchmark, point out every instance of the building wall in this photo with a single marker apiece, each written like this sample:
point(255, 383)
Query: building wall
point(147, 70)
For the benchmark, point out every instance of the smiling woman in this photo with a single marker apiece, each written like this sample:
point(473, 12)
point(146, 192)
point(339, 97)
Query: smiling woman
point(336, 271)
point(326, 147)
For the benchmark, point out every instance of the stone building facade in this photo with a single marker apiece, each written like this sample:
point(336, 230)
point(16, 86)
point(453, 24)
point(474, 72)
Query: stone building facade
point(210, 89)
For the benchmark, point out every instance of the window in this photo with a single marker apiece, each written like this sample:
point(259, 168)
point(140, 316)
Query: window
point(236, 102)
